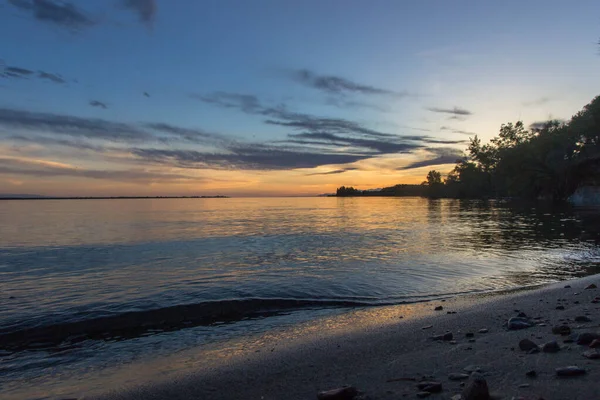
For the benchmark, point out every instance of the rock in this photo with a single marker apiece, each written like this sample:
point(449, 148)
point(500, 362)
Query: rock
point(527, 345)
point(476, 388)
point(534, 350)
point(469, 334)
point(582, 318)
point(343, 393)
point(569, 371)
point(524, 385)
point(431, 386)
point(457, 397)
point(587, 337)
point(518, 323)
point(562, 330)
point(484, 330)
point(531, 374)
point(472, 368)
point(471, 340)
point(522, 315)
point(560, 307)
point(592, 286)
point(439, 308)
point(445, 337)
point(422, 395)
point(567, 286)
point(427, 327)
point(551, 347)
point(591, 354)
point(595, 343)
point(457, 376)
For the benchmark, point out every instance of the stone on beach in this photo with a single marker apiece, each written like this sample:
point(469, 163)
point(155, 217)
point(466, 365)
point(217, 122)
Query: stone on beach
point(595, 343)
point(439, 308)
point(484, 330)
point(457, 376)
point(343, 393)
point(551, 347)
point(430, 386)
point(587, 337)
point(527, 345)
point(562, 330)
point(591, 354)
point(570, 371)
point(476, 388)
point(531, 374)
point(582, 318)
point(516, 323)
point(591, 286)
point(560, 307)
point(422, 395)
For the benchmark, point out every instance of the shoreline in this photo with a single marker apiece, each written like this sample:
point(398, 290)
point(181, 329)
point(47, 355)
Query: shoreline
point(368, 348)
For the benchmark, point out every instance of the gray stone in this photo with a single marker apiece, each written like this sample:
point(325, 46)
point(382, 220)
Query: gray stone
point(422, 395)
point(524, 385)
point(430, 386)
point(476, 388)
point(343, 393)
point(516, 323)
point(582, 318)
point(591, 354)
point(527, 345)
point(587, 337)
point(469, 334)
point(595, 343)
point(531, 374)
point(551, 347)
point(484, 330)
point(560, 307)
point(445, 337)
point(457, 376)
point(439, 308)
point(570, 371)
point(591, 286)
point(562, 330)
point(472, 368)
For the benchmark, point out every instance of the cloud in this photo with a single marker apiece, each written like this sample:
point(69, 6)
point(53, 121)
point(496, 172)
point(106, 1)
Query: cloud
point(18, 71)
point(47, 141)
point(334, 172)
point(344, 104)
point(99, 104)
point(187, 134)
point(146, 9)
point(62, 13)
point(380, 146)
point(40, 168)
point(465, 132)
point(456, 111)
point(337, 85)
point(247, 157)
point(51, 77)
point(539, 125)
point(537, 102)
point(444, 156)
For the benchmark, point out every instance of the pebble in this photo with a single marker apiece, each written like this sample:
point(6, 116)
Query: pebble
point(457, 376)
point(471, 340)
point(472, 368)
point(422, 395)
point(570, 371)
point(522, 315)
point(531, 374)
point(595, 343)
point(469, 334)
point(427, 327)
point(527, 345)
point(567, 286)
point(476, 388)
point(524, 385)
point(587, 337)
point(439, 308)
point(592, 286)
point(445, 337)
point(582, 318)
point(430, 387)
point(560, 307)
point(591, 354)
point(484, 330)
point(562, 330)
point(534, 351)
point(518, 323)
point(343, 393)
point(457, 397)
point(551, 347)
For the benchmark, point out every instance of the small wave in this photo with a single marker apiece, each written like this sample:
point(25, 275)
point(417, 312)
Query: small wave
point(138, 323)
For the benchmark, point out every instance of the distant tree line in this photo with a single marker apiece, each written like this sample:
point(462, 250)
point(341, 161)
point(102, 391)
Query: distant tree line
point(549, 160)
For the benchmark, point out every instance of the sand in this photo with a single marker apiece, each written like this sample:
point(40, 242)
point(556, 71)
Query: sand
point(376, 351)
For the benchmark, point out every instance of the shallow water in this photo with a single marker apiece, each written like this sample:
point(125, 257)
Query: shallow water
point(92, 284)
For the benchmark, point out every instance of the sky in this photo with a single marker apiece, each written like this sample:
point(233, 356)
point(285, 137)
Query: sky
point(272, 97)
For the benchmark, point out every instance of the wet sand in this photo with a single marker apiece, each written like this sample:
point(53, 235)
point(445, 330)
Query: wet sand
point(385, 352)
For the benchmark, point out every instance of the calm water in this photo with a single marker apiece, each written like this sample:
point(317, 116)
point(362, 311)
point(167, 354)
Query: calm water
point(86, 285)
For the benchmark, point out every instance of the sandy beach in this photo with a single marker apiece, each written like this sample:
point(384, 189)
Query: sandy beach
point(389, 350)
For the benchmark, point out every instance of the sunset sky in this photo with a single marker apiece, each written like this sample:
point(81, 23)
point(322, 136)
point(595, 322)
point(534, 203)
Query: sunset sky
point(274, 97)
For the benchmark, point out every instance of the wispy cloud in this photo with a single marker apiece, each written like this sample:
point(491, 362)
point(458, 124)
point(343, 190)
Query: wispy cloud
point(145, 9)
point(444, 156)
point(99, 104)
point(334, 172)
point(51, 77)
point(11, 71)
point(61, 13)
point(332, 84)
point(454, 111)
point(537, 102)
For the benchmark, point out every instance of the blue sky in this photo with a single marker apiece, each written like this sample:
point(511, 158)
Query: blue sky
point(274, 97)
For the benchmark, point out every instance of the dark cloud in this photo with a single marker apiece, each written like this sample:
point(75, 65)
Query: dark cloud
point(456, 111)
point(145, 9)
point(464, 132)
point(380, 146)
point(48, 141)
point(334, 172)
point(246, 156)
point(71, 126)
point(337, 85)
point(62, 13)
point(41, 169)
point(539, 125)
point(18, 71)
point(51, 77)
point(444, 156)
point(187, 134)
point(99, 104)
point(345, 104)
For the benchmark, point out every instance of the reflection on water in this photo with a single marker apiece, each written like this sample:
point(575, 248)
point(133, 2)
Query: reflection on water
point(89, 284)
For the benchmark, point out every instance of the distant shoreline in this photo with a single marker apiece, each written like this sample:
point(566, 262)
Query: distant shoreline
point(114, 198)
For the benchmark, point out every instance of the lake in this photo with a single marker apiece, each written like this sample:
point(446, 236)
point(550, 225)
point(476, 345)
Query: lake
point(87, 285)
